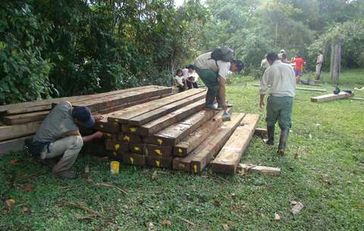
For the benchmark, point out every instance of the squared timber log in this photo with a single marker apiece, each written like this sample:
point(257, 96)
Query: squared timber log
point(159, 151)
point(160, 162)
point(134, 159)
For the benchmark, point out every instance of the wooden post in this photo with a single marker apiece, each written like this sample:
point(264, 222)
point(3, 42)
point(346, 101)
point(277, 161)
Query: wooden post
point(335, 65)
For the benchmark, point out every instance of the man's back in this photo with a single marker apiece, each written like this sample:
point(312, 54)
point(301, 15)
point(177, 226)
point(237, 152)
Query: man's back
point(280, 79)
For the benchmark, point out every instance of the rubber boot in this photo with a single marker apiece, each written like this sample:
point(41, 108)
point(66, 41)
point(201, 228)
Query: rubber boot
point(283, 141)
point(270, 131)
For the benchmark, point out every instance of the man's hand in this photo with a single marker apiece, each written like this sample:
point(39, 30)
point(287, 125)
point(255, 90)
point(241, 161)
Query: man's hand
point(261, 102)
point(98, 135)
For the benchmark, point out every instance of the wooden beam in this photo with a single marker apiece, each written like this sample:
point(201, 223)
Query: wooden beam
point(197, 160)
point(261, 132)
point(19, 130)
point(25, 118)
point(301, 88)
point(13, 145)
point(159, 162)
point(247, 168)
point(103, 103)
point(331, 97)
point(229, 157)
point(164, 110)
point(131, 112)
point(176, 132)
point(159, 151)
point(134, 159)
point(165, 121)
point(194, 139)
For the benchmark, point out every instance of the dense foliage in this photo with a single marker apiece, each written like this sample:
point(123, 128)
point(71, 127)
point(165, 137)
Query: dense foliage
point(72, 47)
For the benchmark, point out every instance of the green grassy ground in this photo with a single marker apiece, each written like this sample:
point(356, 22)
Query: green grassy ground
point(323, 169)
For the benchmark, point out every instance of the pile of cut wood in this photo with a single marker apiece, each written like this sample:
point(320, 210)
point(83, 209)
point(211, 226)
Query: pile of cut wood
point(147, 126)
point(176, 132)
point(20, 121)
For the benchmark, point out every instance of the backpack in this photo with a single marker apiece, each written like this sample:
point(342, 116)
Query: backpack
point(225, 54)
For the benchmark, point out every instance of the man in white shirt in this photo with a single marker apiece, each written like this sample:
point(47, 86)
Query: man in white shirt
point(280, 83)
point(190, 76)
point(319, 63)
point(214, 73)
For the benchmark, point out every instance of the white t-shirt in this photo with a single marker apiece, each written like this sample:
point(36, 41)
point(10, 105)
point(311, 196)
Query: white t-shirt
point(179, 80)
point(205, 61)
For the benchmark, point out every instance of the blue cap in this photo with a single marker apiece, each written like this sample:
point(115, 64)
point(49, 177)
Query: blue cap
point(83, 114)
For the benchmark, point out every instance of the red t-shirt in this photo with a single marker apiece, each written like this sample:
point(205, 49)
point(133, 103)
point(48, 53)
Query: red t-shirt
point(299, 61)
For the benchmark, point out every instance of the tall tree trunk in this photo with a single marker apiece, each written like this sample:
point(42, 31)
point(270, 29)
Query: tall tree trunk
point(335, 65)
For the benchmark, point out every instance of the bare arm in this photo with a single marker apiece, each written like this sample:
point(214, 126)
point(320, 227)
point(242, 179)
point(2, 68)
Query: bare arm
point(93, 136)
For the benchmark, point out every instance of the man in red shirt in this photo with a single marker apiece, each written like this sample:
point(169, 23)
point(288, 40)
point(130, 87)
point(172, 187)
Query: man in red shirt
point(299, 62)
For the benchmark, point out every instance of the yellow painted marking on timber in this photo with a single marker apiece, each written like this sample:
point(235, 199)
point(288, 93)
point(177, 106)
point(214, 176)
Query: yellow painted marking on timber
point(131, 160)
point(195, 168)
point(132, 129)
point(136, 149)
point(126, 138)
point(158, 151)
point(180, 150)
point(114, 153)
point(116, 147)
point(160, 141)
point(158, 163)
point(108, 134)
point(101, 125)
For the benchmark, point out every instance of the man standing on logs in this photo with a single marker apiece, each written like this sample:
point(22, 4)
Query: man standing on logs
point(59, 135)
point(213, 68)
point(279, 82)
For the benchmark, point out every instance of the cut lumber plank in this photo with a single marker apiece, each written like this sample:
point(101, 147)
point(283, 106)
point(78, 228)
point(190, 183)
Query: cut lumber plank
point(159, 162)
point(134, 159)
point(229, 156)
point(302, 88)
point(127, 138)
point(19, 130)
point(116, 146)
point(194, 139)
point(176, 132)
point(130, 112)
point(246, 168)
point(138, 148)
point(164, 110)
point(107, 126)
point(102, 103)
point(159, 151)
point(331, 97)
point(261, 132)
point(197, 160)
point(25, 118)
point(165, 121)
point(13, 145)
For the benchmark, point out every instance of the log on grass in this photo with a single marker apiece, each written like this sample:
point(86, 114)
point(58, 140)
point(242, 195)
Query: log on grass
point(159, 162)
point(198, 159)
point(159, 151)
point(18, 130)
point(176, 132)
point(331, 97)
point(229, 157)
point(131, 112)
point(165, 121)
point(134, 159)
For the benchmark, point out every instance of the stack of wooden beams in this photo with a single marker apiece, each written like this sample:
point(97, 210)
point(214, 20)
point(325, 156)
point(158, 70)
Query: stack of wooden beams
point(20, 121)
point(177, 133)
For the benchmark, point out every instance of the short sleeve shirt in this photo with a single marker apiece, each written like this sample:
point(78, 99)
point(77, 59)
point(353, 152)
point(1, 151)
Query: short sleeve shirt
point(205, 61)
point(57, 122)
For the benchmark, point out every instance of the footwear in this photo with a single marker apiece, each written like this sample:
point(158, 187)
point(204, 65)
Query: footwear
point(270, 131)
point(283, 141)
point(68, 174)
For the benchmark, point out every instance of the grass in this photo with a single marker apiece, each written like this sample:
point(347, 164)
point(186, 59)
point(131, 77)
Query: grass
point(323, 169)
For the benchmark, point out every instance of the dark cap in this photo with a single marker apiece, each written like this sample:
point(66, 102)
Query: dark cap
point(83, 114)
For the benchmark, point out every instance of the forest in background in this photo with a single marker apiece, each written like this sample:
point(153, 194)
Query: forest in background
point(74, 47)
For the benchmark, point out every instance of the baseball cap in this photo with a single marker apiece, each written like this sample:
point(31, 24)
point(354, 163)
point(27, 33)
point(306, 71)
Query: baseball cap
point(83, 114)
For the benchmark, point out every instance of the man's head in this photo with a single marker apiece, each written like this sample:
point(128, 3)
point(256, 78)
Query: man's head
point(236, 66)
point(271, 57)
point(190, 68)
point(83, 116)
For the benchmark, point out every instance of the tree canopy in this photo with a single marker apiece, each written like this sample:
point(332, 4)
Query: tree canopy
point(73, 47)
